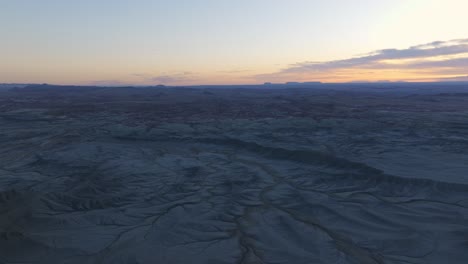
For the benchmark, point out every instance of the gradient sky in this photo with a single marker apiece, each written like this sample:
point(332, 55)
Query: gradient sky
point(179, 42)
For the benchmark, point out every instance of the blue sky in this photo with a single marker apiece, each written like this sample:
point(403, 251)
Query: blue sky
point(222, 42)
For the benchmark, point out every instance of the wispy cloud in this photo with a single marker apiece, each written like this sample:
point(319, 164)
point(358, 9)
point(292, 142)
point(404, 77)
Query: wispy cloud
point(447, 63)
point(454, 79)
point(381, 58)
point(235, 71)
point(437, 57)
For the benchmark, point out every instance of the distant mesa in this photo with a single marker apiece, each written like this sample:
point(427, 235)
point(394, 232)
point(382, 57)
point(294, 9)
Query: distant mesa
point(292, 83)
point(359, 81)
point(298, 83)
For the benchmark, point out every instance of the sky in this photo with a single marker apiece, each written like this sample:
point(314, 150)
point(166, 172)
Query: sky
point(183, 42)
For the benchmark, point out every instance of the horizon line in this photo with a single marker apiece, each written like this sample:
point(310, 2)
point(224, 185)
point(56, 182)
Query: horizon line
point(291, 83)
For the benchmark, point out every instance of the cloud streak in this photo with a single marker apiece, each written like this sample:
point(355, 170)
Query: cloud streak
point(382, 59)
point(455, 79)
point(429, 61)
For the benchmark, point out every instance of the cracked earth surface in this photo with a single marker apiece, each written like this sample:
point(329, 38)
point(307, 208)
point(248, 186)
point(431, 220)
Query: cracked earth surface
point(103, 187)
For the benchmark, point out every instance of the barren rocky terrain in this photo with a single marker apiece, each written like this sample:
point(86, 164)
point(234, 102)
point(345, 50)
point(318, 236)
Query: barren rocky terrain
point(325, 174)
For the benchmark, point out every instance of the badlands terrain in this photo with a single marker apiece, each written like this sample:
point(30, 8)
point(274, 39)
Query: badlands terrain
point(356, 173)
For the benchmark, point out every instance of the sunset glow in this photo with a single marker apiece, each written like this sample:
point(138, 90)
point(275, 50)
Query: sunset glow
point(232, 42)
